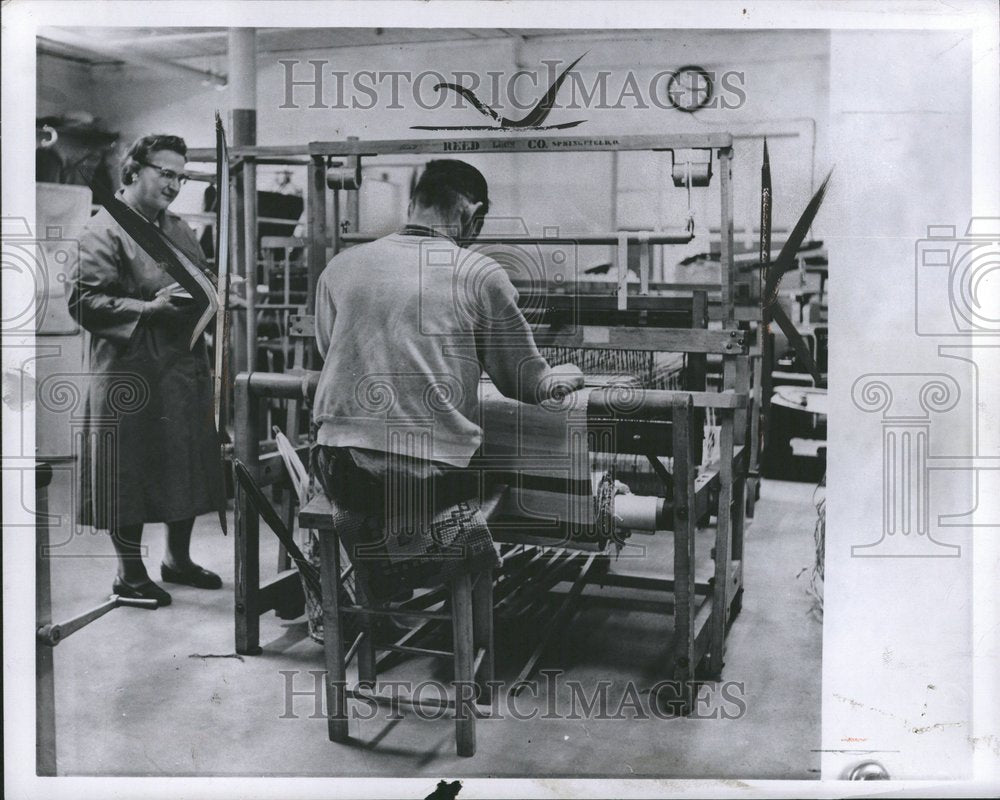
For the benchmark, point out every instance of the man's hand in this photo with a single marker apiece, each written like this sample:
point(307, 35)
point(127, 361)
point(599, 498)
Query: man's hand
point(560, 381)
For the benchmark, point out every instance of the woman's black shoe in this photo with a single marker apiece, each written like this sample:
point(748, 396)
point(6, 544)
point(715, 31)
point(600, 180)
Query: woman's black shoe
point(144, 591)
point(196, 576)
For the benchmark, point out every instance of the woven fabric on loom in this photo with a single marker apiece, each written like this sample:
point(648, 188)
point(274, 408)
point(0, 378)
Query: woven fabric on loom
point(652, 370)
point(649, 370)
point(634, 471)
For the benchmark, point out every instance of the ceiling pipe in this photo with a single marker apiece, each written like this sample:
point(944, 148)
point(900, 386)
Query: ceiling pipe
point(168, 38)
point(119, 53)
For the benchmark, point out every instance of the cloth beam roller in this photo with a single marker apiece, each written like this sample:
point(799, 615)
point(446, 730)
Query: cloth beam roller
point(546, 454)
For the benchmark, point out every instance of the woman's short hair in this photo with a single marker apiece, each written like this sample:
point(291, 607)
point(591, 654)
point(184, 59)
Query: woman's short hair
point(443, 180)
point(138, 154)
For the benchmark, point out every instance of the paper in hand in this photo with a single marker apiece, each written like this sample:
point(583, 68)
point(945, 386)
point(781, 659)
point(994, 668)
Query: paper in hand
point(158, 247)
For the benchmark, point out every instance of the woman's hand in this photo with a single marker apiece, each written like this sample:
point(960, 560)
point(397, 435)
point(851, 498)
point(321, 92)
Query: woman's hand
point(162, 309)
point(237, 292)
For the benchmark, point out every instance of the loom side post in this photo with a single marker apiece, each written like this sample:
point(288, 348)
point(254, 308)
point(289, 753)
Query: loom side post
point(247, 537)
point(724, 523)
point(622, 271)
point(726, 236)
point(696, 374)
point(316, 200)
point(685, 526)
point(250, 252)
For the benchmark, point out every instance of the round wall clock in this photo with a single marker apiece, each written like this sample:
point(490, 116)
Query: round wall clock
point(690, 88)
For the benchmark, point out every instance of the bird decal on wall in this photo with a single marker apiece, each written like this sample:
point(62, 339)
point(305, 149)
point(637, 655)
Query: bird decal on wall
point(533, 121)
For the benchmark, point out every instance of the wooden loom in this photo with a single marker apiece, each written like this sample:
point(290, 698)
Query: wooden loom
point(337, 165)
point(624, 321)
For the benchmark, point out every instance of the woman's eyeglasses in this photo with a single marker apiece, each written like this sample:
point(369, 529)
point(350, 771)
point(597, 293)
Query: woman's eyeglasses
point(168, 174)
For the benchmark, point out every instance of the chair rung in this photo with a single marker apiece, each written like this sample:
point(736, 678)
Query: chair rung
point(435, 705)
point(393, 612)
point(416, 651)
point(353, 649)
point(480, 654)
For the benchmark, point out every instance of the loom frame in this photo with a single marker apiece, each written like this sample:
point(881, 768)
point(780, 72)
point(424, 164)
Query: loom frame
point(738, 357)
point(745, 311)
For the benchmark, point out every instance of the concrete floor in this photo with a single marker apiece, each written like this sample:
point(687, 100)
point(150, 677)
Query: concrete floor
point(149, 693)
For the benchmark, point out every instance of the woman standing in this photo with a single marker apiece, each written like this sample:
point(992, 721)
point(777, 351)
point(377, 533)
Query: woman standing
point(151, 453)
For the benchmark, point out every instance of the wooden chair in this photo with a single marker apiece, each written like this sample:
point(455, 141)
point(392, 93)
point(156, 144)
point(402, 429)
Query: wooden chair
point(470, 612)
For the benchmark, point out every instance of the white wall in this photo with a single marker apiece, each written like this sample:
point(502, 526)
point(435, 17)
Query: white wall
point(786, 85)
point(64, 85)
point(898, 639)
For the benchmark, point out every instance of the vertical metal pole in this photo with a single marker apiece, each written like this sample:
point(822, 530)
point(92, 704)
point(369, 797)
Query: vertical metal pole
point(242, 85)
point(242, 92)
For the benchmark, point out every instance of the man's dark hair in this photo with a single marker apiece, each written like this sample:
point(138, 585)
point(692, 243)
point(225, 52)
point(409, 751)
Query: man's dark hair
point(444, 180)
point(138, 154)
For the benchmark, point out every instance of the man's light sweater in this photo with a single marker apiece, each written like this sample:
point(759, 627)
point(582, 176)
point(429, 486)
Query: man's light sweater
point(406, 325)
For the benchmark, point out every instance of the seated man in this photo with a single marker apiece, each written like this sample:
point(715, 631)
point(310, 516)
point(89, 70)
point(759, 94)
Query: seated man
point(407, 324)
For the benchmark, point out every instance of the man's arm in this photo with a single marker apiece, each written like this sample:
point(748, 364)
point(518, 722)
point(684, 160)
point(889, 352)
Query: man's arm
point(326, 314)
point(508, 353)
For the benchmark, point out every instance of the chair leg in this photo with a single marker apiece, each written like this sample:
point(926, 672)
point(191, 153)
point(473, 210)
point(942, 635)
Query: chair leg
point(333, 643)
point(461, 620)
point(482, 633)
point(366, 649)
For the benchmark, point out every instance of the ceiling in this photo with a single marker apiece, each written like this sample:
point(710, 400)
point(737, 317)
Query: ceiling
point(181, 43)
